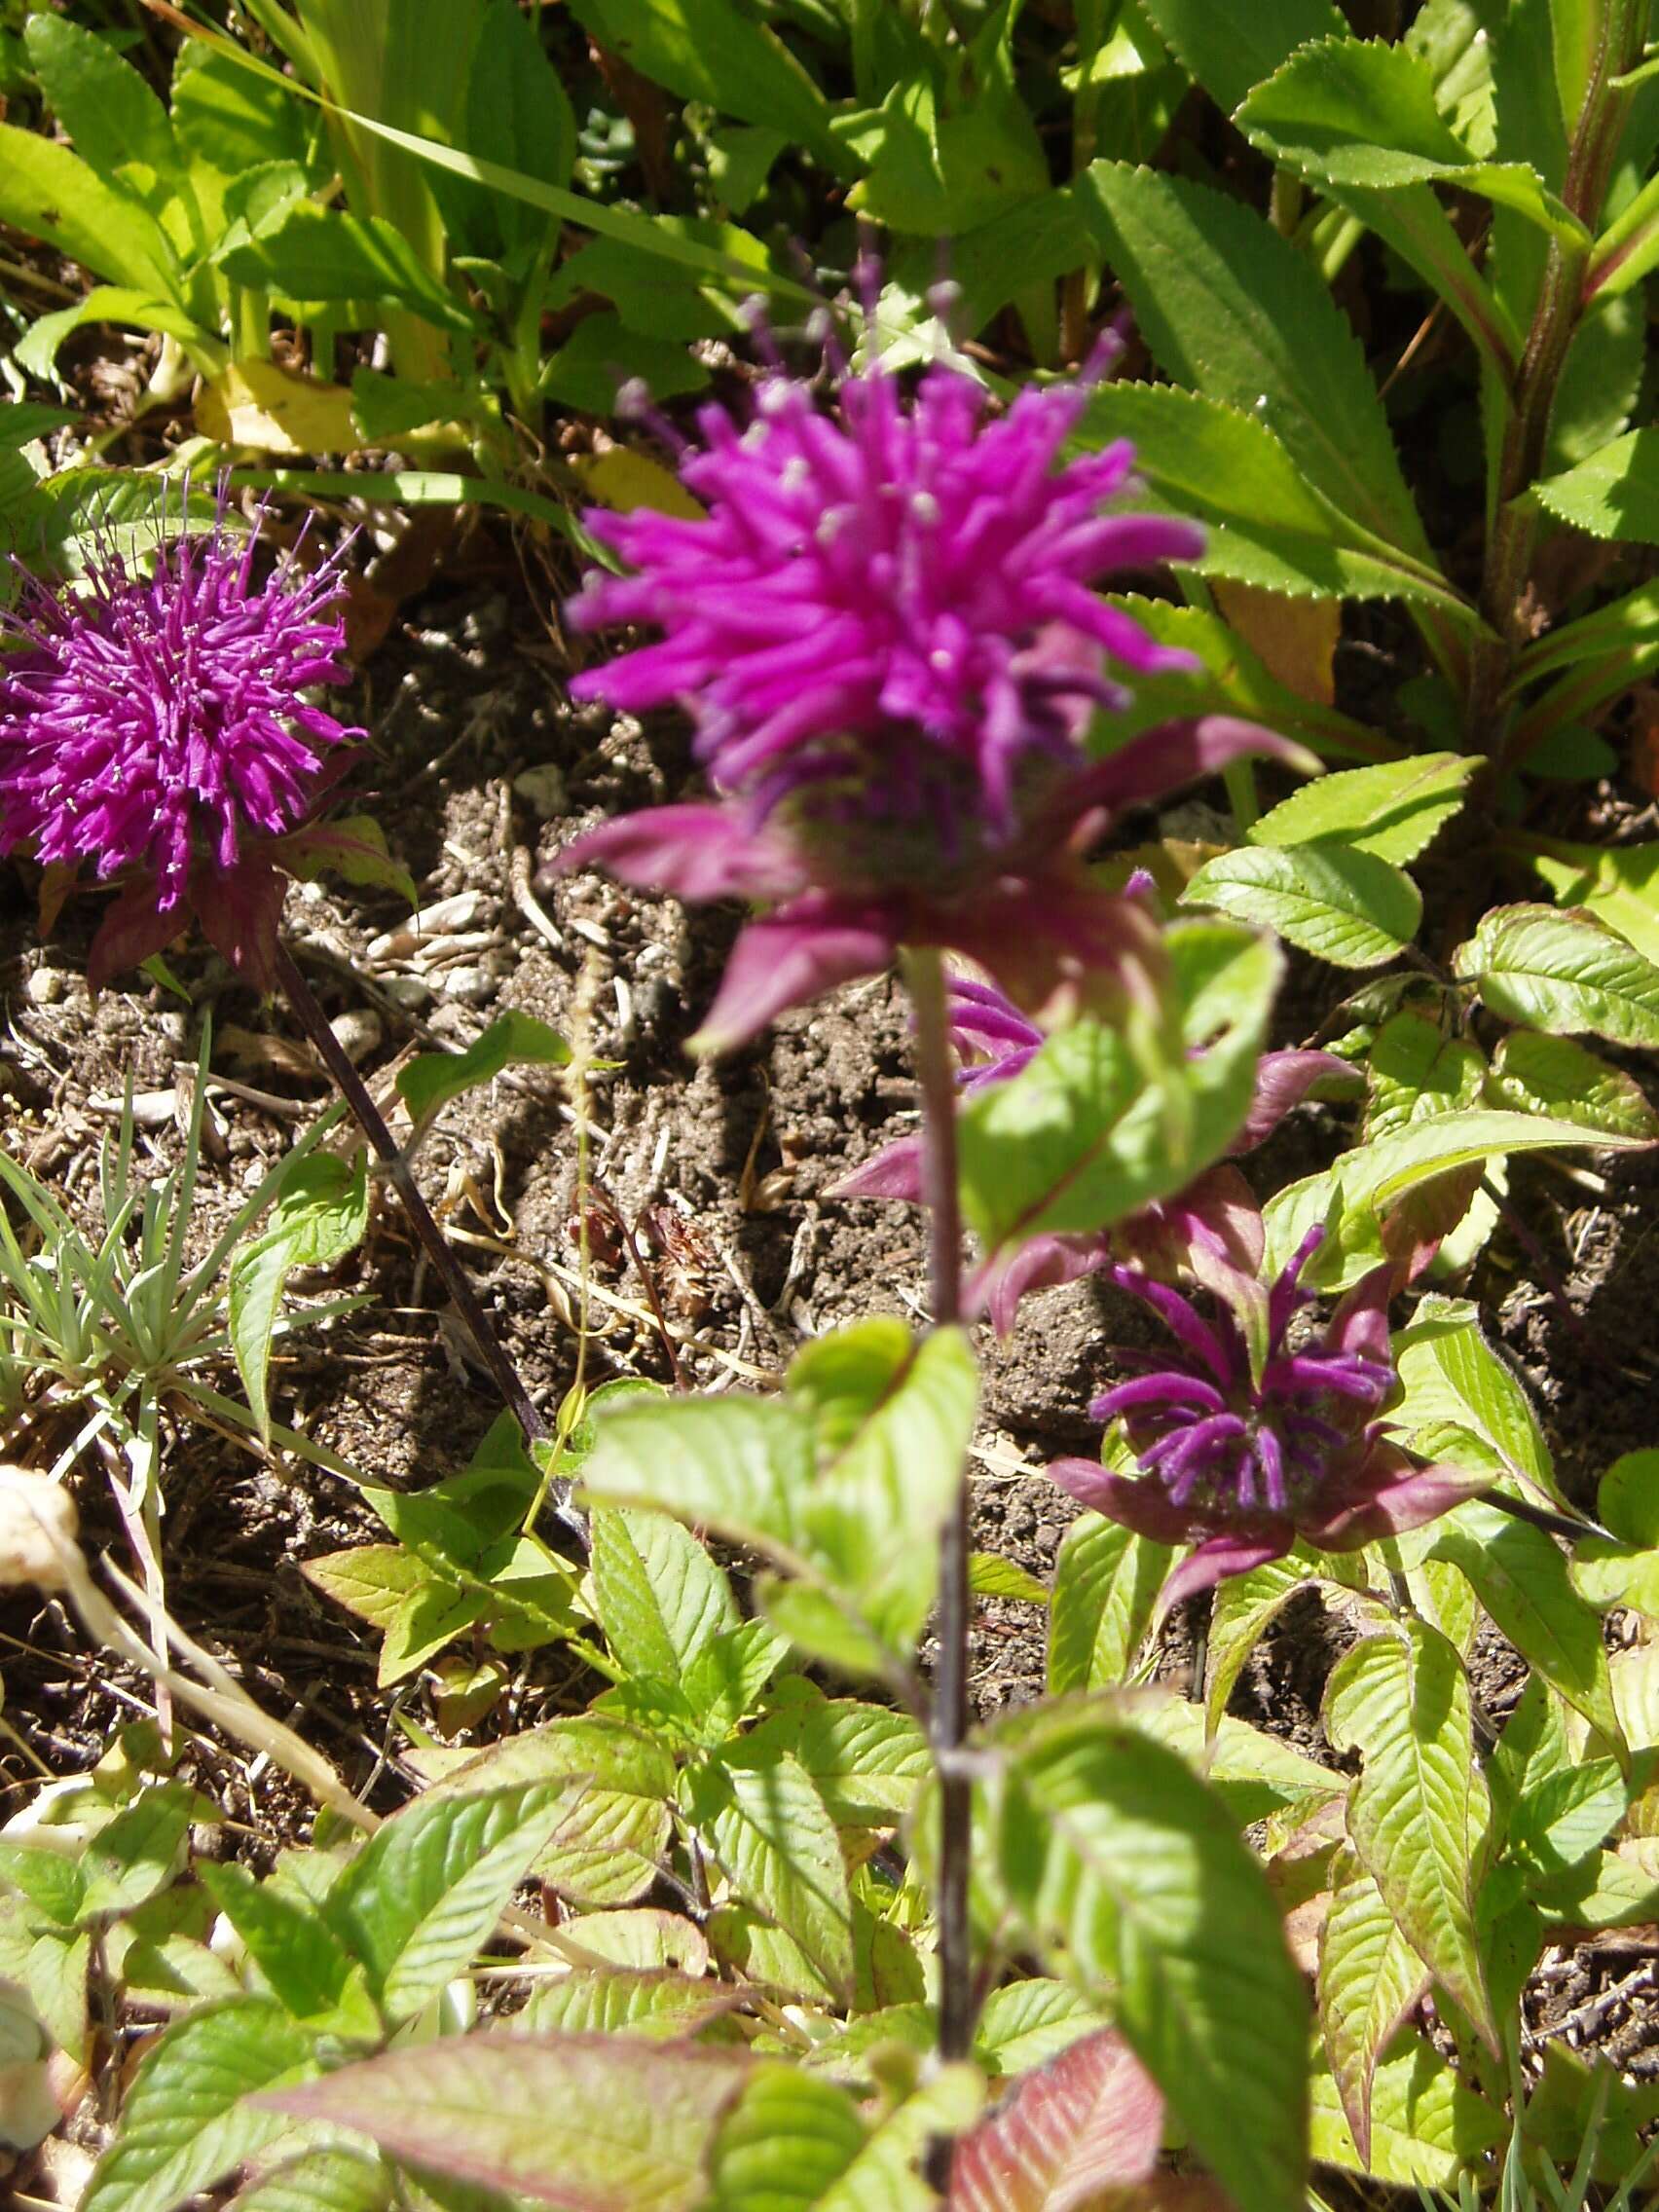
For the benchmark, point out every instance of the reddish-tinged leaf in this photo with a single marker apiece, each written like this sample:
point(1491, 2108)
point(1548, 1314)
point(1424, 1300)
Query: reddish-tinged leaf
point(590, 2123)
point(1090, 2119)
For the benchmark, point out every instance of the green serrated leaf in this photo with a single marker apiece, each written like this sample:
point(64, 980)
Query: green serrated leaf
point(186, 2119)
point(292, 1947)
point(1025, 2023)
point(1368, 1979)
point(138, 1852)
point(616, 1782)
point(1082, 1137)
point(656, 2007)
point(867, 1761)
point(1450, 1372)
point(788, 2138)
point(1561, 1819)
point(1124, 1873)
point(1337, 902)
point(661, 1598)
point(1420, 1813)
point(1427, 2126)
point(1615, 494)
point(1228, 54)
point(1519, 1576)
point(1619, 885)
point(1230, 309)
point(1363, 113)
point(321, 2180)
point(991, 1576)
point(1393, 810)
point(1532, 1074)
point(1563, 972)
point(1106, 1585)
point(1266, 525)
point(429, 1887)
point(1414, 1071)
point(767, 1828)
point(1352, 1198)
point(320, 1214)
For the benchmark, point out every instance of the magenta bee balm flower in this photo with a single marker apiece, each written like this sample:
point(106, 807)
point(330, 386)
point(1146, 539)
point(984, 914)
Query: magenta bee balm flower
point(1246, 1442)
point(158, 727)
point(884, 629)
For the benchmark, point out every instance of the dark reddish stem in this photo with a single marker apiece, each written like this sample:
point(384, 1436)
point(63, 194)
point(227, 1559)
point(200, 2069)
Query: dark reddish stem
point(935, 1084)
point(450, 1274)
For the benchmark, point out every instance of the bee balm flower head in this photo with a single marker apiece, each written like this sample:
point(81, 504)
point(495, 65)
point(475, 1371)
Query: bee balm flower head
point(160, 728)
point(883, 627)
point(1241, 1452)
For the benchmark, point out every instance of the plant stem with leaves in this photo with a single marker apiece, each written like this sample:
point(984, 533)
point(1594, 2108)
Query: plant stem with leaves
point(1556, 321)
point(924, 975)
point(372, 1122)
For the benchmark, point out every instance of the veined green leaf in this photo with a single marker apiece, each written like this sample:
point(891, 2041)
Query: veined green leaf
point(1450, 1372)
point(1532, 1074)
point(1267, 526)
point(1420, 1813)
point(320, 2181)
point(661, 1598)
point(432, 1079)
point(1368, 1979)
point(768, 1828)
point(1125, 1871)
point(1233, 309)
point(1427, 2126)
point(186, 2119)
point(429, 1887)
point(1563, 971)
point(1353, 112)
point(1417, 1071)
point(1519, 1576)
point(321, 1210)
point(1106, 1584)
point(615, 1781)
point(1339, 903)
point(865, 1761)
point(1353, 1197)
point(1618, 884)
point(1393, 810)
point(1081, 1138)
point(787, 2140)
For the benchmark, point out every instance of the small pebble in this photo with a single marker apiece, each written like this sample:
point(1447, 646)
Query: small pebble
point(407, 990)
point(472, 986)
point(45, 986)
point(358, 1032)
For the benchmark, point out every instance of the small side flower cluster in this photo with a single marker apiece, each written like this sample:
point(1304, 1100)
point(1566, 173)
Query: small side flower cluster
point(158, 727)
point(883, 628)
point(1248, 1445)
point(1210, 1221)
